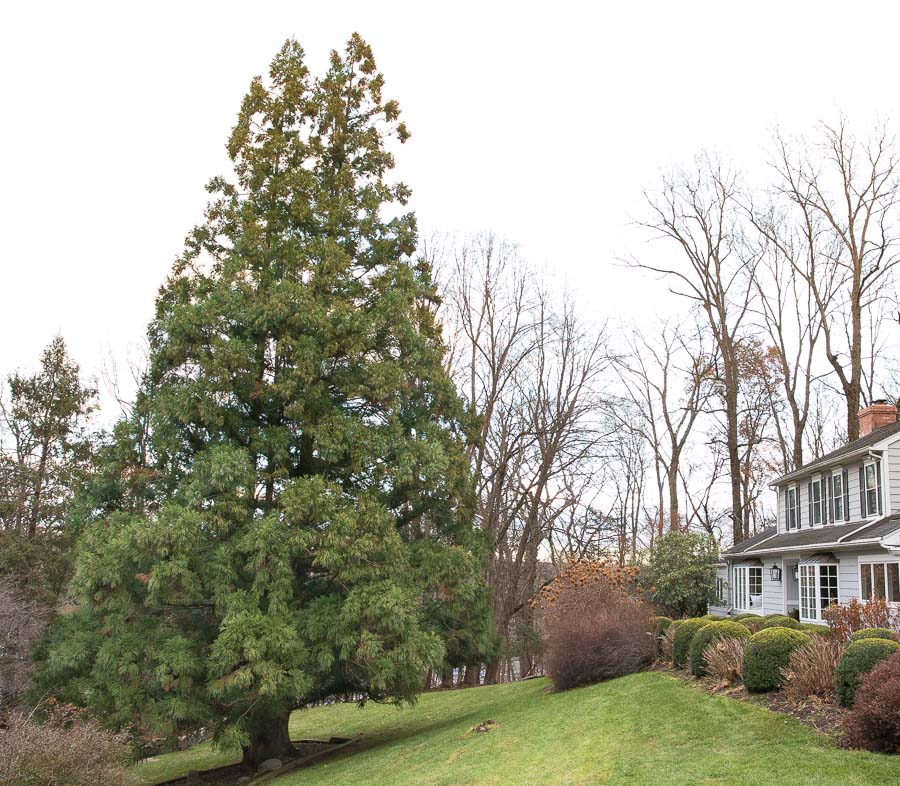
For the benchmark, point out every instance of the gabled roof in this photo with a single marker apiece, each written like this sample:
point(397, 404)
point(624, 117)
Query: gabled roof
point(833, 535)
point(850, 448)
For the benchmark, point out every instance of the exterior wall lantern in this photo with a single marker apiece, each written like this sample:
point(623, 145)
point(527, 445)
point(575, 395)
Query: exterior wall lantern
point(775, 572)
point(794, 570)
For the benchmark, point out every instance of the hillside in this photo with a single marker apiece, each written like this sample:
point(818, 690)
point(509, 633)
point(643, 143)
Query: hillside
point(643, 729)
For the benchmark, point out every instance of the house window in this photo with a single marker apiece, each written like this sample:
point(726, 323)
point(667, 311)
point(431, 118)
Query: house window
point(815, 500)
point(748, 588)
point(837, 496)
point(870, 501)
point(880, 580)
point(792, 508)
point(818, 590)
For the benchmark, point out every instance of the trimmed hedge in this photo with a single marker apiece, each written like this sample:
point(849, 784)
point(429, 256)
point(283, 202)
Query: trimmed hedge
point(662, 625)
point(743, 616)
point(713, 617)
point(779, 620)
point(816, 630)
point(766, 654)
point(709, 634)
point(858, 660)
point(684, 635)
point(874, 633)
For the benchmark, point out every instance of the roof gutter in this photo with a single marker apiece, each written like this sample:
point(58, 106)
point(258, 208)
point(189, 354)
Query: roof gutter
point(838, 460)
point(807, 547)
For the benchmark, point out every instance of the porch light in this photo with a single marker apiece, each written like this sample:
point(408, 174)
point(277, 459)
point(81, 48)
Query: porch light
point(775, 572)
point(794, 570)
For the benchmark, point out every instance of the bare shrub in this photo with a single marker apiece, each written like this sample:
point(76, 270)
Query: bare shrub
point(21, 623)
point(847, 618)
point(595, 629)
point(724, 660)
point(66, 749)
point(810, 671)
point(667, 643)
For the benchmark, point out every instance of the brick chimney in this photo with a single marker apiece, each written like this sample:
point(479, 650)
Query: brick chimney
point(877, 414)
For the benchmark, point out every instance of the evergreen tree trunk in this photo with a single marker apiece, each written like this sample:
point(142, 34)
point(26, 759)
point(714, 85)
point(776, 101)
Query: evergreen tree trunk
point(492, 672)
point(472, 673)
point(269, 739)
point(447, 677)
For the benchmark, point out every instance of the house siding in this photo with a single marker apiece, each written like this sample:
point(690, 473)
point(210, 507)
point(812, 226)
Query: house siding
point(893, 476)
point(773, 602)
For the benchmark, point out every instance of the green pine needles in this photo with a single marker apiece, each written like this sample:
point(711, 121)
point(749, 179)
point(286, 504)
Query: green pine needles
point(309, 531)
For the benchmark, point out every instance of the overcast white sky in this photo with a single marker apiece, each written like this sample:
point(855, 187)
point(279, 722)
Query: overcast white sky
point(541, 123)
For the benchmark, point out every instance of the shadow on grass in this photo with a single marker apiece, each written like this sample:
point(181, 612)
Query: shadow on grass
point(411, 728)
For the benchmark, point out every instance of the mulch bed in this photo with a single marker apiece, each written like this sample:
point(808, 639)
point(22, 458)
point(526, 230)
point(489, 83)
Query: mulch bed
point(823, 716)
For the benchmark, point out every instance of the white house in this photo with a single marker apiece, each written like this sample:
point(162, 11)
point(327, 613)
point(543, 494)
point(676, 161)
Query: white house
point(837, 535)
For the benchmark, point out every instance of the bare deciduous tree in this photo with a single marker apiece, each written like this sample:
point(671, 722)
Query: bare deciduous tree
point(699, 213)
point(850, 187)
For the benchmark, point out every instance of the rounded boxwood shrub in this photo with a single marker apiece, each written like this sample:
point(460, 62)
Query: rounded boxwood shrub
point(766, 654)
point(712, 617)
point(684, 635)
point(874, 633)
point(858, 660)
point(779, 620)
point(816, 630)
point(743, 616)
point(709, 634)
point(662, 625)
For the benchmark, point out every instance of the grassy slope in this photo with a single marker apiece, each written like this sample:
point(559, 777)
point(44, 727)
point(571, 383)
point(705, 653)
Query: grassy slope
point(643, 729)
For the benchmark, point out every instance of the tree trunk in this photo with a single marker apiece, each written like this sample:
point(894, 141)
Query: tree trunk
point(674, 515)
point(447, 677)
point(473, 671)
point(731, 436)
point(269, 739)
point(492, 671)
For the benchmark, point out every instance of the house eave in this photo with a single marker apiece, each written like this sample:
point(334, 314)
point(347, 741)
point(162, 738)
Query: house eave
point(809, 547)
point(871, 451)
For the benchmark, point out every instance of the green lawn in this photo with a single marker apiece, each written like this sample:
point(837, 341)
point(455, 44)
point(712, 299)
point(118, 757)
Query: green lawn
point(643, 729)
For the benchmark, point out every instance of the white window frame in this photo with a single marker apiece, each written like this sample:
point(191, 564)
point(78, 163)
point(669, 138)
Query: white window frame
point(874, 465)
point(837, 499)
point(869, 564)
point(812, 601)
point(817, 505)
point(741, 589)
point(795, 509)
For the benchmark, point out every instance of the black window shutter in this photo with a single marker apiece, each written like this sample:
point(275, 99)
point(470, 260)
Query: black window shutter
point(809, 502)
point(862, 492)
point(846, 497)
point(878, 484)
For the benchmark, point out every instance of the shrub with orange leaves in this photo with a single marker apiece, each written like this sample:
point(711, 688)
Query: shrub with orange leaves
point(587, 581)
point(847, 618)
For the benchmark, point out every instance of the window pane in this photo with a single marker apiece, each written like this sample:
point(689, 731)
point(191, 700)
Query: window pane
point(838, 497)
point(817, 501)
point(756, 581)
point(872, 501)
point(878, 579)
point(807, 590)
point(828, 586)
point(893, 583)
point(865, 582)
point(870, 476)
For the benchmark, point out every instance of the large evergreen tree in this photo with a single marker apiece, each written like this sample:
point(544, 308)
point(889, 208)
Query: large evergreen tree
point(315, 533)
